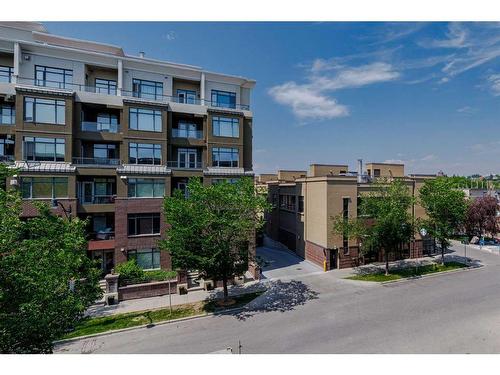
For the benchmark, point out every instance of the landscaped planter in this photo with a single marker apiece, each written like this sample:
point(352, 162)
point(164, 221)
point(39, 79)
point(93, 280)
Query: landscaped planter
point(151, 289)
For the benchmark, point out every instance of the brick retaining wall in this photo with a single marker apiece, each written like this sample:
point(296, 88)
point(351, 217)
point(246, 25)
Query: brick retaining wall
point(154, 289)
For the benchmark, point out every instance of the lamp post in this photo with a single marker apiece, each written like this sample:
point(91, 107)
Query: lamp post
point(67, 212)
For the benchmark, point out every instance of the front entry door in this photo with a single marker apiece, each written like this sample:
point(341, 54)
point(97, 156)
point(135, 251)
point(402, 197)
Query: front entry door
point(333, 258)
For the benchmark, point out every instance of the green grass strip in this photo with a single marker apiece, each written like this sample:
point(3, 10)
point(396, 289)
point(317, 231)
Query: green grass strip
point(89, 326)
point(403, 273)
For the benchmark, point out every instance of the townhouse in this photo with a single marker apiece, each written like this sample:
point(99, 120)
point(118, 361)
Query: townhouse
point(305, 203)
point(103, 135)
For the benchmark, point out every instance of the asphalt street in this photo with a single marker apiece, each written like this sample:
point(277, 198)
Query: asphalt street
point(309, 311)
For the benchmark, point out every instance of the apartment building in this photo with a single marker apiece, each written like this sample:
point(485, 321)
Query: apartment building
point(305, 203)
point(103, 135)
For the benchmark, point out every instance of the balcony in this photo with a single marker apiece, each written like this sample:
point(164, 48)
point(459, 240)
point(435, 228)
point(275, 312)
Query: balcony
point(6, 158)
point(97, 199)
point(125, 93)
point(97, 127)
point(184, 165)
point(184, 133)
point(96, 161)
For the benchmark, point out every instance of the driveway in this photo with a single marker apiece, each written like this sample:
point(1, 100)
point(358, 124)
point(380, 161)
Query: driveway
point(283, 264)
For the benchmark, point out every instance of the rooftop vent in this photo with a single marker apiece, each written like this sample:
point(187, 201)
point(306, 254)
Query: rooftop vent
point(141, 54)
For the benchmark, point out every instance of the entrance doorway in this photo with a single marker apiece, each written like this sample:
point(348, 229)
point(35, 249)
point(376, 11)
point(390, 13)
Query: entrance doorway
point(105, 258)
point(333, 258)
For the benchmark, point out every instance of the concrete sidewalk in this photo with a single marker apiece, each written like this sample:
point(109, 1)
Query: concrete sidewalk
point(152, 303)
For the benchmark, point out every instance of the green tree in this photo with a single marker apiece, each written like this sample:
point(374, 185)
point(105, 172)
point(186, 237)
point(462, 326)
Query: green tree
point(210, 231)
point(385, 221)
point(38, 258)
point(445, 206)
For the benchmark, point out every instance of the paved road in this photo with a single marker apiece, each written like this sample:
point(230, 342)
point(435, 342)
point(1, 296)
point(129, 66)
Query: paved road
point(320, 313)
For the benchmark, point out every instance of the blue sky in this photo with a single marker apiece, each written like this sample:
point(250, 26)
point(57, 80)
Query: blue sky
point(426, 94)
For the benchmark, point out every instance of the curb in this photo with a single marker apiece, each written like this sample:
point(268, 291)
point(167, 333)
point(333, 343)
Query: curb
point(464, 269)
point(73, 339)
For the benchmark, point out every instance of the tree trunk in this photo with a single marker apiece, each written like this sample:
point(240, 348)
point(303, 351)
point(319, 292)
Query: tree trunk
point(224, 285)
point(386, 263)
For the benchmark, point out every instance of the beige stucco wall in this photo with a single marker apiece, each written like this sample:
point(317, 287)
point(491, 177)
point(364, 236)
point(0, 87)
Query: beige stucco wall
point(316, 170)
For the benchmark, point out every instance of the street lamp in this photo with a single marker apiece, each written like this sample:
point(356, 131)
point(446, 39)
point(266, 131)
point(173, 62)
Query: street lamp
point(67, 212)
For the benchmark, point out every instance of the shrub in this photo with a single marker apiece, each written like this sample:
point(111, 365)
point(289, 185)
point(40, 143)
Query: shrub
point(130, 271)
point(160, 275)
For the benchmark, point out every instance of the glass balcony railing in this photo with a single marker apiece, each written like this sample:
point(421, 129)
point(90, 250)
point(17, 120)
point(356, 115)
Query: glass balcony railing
point(6, 158)
point(132, 94)
point(183, 133)
point(98, 127)
point(95, 161)
point(97, 199)
point(184, 165)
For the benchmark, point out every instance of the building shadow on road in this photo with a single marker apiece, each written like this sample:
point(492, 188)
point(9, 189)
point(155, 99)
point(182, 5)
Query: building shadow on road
point(280, 296)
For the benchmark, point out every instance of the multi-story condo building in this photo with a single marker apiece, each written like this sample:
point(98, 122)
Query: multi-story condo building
point(103, 135)
point(305, 204)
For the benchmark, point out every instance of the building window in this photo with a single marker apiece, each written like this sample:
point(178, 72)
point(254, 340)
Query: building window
point(6, 149)
point(345, 215)
point(223, 99)
point(43, 149)
point(301, 203)
point(287, 202)
point(44, 187)
point(186, 96)
point(105, 86)
point(107, 122)
point(7, 114)
point(6, 74)
point(105, 151)
point(147, 89)
point(53, 77)
point(48, 111)
point(376, 173)
point(145, 119)
point(147, 259)
point(226, 126)
point(225, 157)
point(187, 130)
point(143, 224)
point(146, 188)
point(144, 153)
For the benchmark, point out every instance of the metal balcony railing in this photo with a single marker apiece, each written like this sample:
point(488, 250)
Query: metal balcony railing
point(6, 158)
point(184, 165)
point(104, 234)
point(183, 133)
point(126, 93)
point(95, 161)
point(97, 199)
point(97, 127)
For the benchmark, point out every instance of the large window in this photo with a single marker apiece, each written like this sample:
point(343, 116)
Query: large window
point(44, 187)
point(105, 86)
point(53, 77)
point(187, 130)
point(105, 151)
point(143, 224)
point(144, 153)
point(226, 126)
point(287, 202)
point(145, 119)
point(225, 157)
point(301, 203)
point(7, 114)
point(147, 259)
point(186, 96)
point(147, 89)
point(223, 99)
point(146, 188)
point(49, 111)
point(43, 149)
point(6, 73)
point(6, 149)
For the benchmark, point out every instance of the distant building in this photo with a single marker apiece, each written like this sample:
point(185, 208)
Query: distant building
point(305, 203)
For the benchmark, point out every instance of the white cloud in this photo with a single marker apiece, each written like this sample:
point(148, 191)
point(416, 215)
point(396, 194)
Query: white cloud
point(307, 103)
point(494, 84)
point(466, 109)
point(171, 35)
point(456, 38)
point(311, 101)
